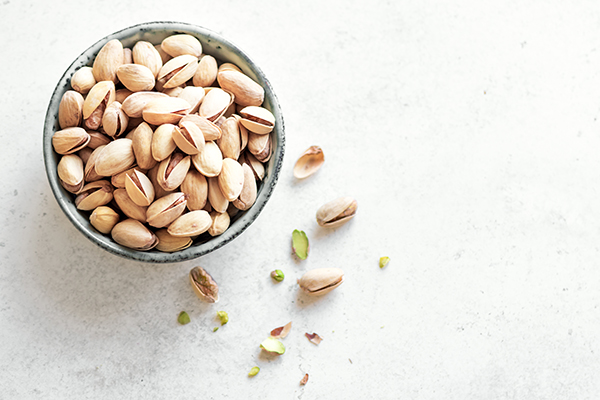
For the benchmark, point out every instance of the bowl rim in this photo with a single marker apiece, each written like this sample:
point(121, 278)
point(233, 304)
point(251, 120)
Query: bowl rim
point(241, 224)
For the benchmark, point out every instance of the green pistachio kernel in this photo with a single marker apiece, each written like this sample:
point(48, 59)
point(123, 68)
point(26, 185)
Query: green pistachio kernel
point(216, 328)
point(223, 317)
point(383, 261)
point(300, 244)
point(183, 318)
point(278, 275)
point(254, 371)
point(273, 346)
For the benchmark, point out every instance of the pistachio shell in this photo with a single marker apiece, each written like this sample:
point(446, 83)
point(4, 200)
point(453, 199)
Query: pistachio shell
point(206, 73)
point(243, 132)
point(136, 77)
point(135, 103)
point(230, 142)
point(116, 157)
point(246, 91)
point(188, 137)
point(220, 223)
point(215, 196)
point(83, 80)
point(108, 60)
point(163, 55)
point(210, 131)
point(90, 174)
point(169, 243)
point(177, 45)
point(128, 207)
point(204, 285)
point(336, 212)
point(257, 167)
point(70, 173)
point(247, 196)
point(114, 120)
point(190, 224)
point(166, 210)
point(70, 109)
point(257, 119)
point(127, 56)
point(139, 188)
point(210, 161)
point(133, 234)
point(309, 163)
point(231, 179)
point(193, 95)
point(70, 140)
point(118, 180)
point(172, 171)
point(98, 98)
point(215, 103)
point(97, 139)
point(93, 195)
point(260, 146)
point(173, 92)
point(85, 154)
point(144, 53)
point(178, 70)
point(104, 219)
point(228, 67)
point(195, 188)
point(158, 190)
point(165, 110)
point(319, 281)
point(162, 142)
point(142, 146)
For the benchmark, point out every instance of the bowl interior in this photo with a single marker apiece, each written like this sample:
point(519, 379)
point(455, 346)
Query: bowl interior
point(223, 51)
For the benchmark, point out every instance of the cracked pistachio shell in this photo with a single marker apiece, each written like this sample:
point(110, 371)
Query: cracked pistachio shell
point(172, 171)
point(206, 73)
point(260, 146)
point(309, 162)
point(70, 140)
point(177, 71)
point(70, 173)
point(165, 110)
point(320, 281)
point(141, 139)
point(336, 212)
point(90, 174)
point(195, 188)
point(215, 103)
point(231, 179)
point(118, 180)
point(70, 109)
point(193, 95)
point(83, 80)
point(204, 285)
point(177, 45)
point(169, 243)
point(144, 53)
point(139, 188)
point(188, 137)
point(114, 120)
point(209, 162)
point(158, 190)
point(133, 234)
point(192, 223)
point(94, 194)
point(163, 144)
point(134, 104)
point(97, 139)
point(104, 219)
point(209, 129)
point(166, 209)
point(136, 77)
point(128, 207)
point(219, 223)
point(108, 60)
point(116, 157)
point(257, 119)
point(215, 197)
point(230, 142)
point(246, 91)
point(257, 167)
point(99, 97)
point(247, 196)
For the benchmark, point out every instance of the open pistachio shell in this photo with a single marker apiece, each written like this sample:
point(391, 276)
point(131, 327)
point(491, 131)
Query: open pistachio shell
point(260, 146)
point(144, 53)
point(104, 218)
point(165, 110)
point(118, 180)
point(136, 77)
point(210, 131)
point(135, 103)
point(95, 103)
point(309, 163)
point(94, 194)
point(257, 119)
point(215, 104)
point(163, 144)
point(108, 60)
point(178, 70)
point(193, 95)
point(204, 285)
point(336, 212)
point(257, 167)
point(166, 210)
point(172, 171)
point(83, 80)
point(133, 234)
point(142, 146)
point(230, 142)
point(188, 137)
point(114, 120)
point(90, 174)
point(97, 139)
point(139, 188)
point(192, 223)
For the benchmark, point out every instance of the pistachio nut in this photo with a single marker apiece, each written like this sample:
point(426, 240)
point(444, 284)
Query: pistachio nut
point(134, 104)
point(94, 194)
point(165, 110)
point(309, 162)
point(163, 144)
point(85, 154)
point(257, 119)
point(230, 142)
point(169, 243)
point(158, 190)
point(177, 45)
point(204, 285)
point(89, 171)
point(336, 212)
point(83, 80)
point(220, 223)
point(177, 71)
point(122, 94)
point(206, 73)
point(166, 210)
point(163, 55)
point(210, 131)
point(231, 179)
point(139, 188)
point(173, 92)
point(70, 140)
point(247, 196)
point(114, 120)
point(319, 281)
point(210, 161)
point(192, 223)
point(228, 67)
point(195, 188)
point(217, 200)
point(133, 234)
point(127, 57)
point(188, 137)
point(118, 180)
point(97, 139)
point(116, 157)
point(70, 173)
point(246, 91)
point(99, 97)
point(260, 146)
point(243, 132)
point(128, 207)
point(193, 95)
point(215, 103)
point(144, 53)
point(108, 60)
point(136, 77)
point(70, 109)
point(104, 218)
point(172, 171)
point(257, 167)
point(141, 139)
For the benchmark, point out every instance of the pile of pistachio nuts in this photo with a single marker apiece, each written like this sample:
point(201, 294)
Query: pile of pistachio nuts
point(161, 144)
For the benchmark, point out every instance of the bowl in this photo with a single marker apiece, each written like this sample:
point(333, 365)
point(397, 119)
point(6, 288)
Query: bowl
point(224, 51)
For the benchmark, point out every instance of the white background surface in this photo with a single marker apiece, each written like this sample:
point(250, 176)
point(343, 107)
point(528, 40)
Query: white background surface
point(466, 130)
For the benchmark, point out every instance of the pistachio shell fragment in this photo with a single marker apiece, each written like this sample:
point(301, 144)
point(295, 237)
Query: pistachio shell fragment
point(304, 380)
point(300, 245)
point(336, 212)
point(204, 285)
point(320, 281)
point(133, 234)
point(273, 346)
point(169, 243)
point(70, 140)
point(104, 218)
point(282, 331)
point(191, 224)
point(70, 109)
point(309, 163)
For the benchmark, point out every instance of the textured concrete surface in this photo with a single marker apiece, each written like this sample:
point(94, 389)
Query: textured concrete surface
point(467, 131)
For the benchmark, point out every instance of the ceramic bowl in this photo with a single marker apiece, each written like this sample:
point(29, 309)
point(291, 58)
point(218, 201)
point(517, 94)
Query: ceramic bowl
point(224, 51)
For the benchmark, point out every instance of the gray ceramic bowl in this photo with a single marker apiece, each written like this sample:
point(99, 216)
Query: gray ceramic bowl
point(223, 51)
